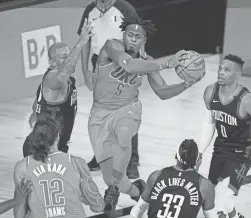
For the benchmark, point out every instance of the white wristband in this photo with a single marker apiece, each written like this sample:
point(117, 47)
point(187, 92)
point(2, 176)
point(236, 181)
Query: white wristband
point(139, 209)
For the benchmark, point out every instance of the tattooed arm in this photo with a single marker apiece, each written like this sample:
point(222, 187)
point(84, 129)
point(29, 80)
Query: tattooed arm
point(90, 193)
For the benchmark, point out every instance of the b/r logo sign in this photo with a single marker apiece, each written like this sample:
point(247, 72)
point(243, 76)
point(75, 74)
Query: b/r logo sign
point(35, 49)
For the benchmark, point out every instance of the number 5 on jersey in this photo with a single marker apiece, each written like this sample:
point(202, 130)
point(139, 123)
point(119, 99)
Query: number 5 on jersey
point(169, 199)
point(120, 88)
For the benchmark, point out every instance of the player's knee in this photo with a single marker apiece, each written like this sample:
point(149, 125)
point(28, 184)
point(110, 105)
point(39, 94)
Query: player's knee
point(124, 136)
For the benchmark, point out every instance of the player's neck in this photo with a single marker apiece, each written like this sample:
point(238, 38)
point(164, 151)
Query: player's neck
point(106, 5)
point(135, 55)
point(179, 168)
point(229, 88)
point(53, 149)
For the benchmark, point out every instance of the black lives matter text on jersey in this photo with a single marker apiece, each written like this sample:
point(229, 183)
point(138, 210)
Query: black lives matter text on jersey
point(180, 182)
point(174, 201)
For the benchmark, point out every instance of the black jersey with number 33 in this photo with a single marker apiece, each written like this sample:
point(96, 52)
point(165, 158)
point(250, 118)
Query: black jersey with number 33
point(176, 194)
point(233, 130)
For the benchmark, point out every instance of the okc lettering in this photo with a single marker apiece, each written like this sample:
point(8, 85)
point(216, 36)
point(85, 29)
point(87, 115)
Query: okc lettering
point(124, 77)
point(225, 118)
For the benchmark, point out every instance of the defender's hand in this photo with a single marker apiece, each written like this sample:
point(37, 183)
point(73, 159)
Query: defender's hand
point(22, 190)
point(86, 32)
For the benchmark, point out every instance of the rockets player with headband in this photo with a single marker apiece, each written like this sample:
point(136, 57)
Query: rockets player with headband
point(229, 112)
point(178, 191)
point(115, 116)
point(61, 182)
point(57, 94)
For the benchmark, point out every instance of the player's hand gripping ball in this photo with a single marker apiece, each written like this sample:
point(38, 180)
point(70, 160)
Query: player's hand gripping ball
point(191, 66)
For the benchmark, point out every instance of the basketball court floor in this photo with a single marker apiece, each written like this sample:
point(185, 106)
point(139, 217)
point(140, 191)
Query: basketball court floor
point(165, 124)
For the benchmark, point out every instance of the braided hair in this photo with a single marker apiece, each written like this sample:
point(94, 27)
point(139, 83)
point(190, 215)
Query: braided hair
point(44, 135)
point(187, 154)
point(147, 25)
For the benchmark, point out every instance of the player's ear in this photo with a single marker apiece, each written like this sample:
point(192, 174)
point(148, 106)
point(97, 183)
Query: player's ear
point(239, 74)
point(145, 39)
point(58, 137)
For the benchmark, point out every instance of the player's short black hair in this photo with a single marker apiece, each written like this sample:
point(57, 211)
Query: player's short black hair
point(187, 154)
point(147, 25)
point(234, 58)
point(44, 135)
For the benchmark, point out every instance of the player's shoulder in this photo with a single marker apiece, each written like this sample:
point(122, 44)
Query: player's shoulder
point(153, 177)
point(78, 161)
point(208, 93)
point(209, 89)
point(247, 97)
point(20, 166)
point(246, 100)
point(114, 44)
point(90, 7)
point(80, 165)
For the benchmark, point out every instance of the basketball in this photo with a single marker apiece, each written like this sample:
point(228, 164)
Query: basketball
point(192, 67)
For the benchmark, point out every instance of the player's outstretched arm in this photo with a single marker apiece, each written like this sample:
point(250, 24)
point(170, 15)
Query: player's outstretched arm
point(58, 79)
point(161, 89)
point(115, 50)
point(22, 189)
point(208, 194)
point(90, 192)
point(208, 127)
point(140, 208)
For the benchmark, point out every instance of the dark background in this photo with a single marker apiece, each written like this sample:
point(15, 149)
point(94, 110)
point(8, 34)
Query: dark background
point(184, 24)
